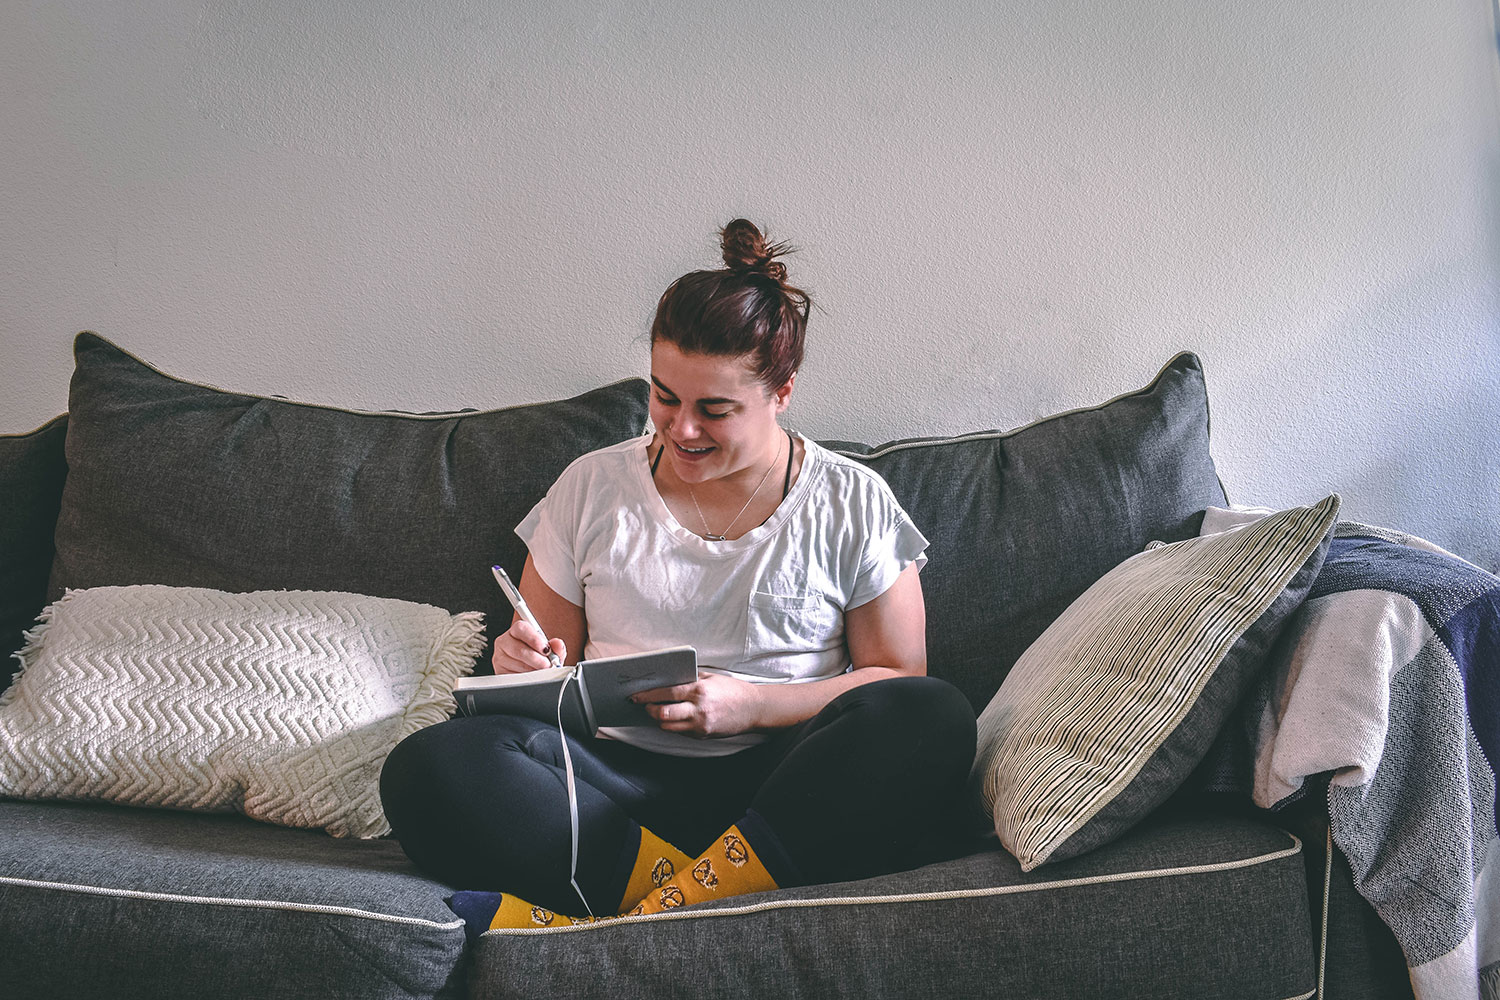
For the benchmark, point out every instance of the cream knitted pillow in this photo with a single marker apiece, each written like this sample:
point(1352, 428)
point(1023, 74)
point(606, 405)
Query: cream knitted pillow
point(281, 705)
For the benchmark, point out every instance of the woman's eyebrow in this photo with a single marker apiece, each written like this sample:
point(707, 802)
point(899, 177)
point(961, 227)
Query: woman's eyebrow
point(710, 401)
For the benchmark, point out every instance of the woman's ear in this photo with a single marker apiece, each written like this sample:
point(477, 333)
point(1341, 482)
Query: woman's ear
point(783, 394)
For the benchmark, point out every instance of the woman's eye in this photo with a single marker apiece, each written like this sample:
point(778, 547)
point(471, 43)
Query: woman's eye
point(715, 416)
point(664, 401)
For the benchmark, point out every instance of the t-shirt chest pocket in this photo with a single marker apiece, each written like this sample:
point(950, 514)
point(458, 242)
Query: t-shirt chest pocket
point(790, 623)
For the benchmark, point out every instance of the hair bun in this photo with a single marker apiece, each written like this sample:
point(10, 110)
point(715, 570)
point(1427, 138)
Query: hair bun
point(745, 249)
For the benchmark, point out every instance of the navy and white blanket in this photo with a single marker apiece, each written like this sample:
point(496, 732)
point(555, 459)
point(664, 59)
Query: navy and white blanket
point(1388, 682)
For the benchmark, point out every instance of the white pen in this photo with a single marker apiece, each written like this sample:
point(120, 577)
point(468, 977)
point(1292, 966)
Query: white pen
point(513, 594)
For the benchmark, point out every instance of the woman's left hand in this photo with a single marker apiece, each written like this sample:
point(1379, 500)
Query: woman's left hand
point(713, 705)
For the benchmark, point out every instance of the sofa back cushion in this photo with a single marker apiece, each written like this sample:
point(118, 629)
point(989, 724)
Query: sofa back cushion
point(182, 484)
point(32, 471)
point(1023, 522)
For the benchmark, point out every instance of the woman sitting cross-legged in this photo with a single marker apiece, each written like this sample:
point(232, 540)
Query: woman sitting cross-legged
point(813, 748)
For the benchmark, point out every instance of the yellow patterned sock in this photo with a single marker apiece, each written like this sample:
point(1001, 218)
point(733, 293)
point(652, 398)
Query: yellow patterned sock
point(729, 867)
point(516, 912)
point(484, 911)
point(656, 864)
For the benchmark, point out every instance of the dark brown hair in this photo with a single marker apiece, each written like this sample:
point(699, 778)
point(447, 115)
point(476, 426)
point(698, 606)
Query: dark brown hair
point(743, 308)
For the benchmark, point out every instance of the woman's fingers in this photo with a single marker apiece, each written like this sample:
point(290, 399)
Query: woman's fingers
point(713, 705)
point(677, 692)
point(680, 717)
point(679, 709)
point(674, 707)
point(522, 648)
point(674, 711)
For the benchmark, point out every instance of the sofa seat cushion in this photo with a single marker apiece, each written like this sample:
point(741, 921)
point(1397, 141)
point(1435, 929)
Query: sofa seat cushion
point(166, 904)
point(1183, 906)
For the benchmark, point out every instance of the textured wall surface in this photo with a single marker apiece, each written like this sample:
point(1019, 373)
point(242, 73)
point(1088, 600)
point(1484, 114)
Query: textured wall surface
point(1003, 210)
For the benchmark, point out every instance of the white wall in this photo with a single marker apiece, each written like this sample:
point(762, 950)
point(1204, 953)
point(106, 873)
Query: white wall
point(1004, 210)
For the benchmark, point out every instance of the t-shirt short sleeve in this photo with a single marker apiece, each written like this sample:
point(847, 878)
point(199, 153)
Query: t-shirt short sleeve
point(550, 531)
point(894, 545)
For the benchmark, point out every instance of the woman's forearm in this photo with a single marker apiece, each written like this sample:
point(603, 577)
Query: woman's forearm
point(783, 705)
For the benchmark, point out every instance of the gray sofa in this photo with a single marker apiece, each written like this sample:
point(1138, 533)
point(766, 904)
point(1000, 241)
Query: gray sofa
point(153, 479)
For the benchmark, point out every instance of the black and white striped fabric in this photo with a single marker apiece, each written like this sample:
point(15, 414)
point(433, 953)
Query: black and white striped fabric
point(1108, 712)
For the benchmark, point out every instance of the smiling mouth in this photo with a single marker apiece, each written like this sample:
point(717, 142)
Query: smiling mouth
point(693, 451)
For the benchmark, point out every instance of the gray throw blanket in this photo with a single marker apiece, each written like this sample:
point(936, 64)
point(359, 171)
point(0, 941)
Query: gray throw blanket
point(1387, 681)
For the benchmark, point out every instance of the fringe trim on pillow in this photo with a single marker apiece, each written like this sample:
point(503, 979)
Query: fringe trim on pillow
point(31, 649)
point(452, 656)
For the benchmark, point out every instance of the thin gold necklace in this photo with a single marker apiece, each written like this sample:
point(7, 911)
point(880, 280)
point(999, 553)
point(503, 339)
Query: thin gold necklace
point(724, 537)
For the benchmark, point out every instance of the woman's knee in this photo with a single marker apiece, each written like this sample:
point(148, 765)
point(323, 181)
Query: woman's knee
point(926, 710)
point(453, 790)
point(434, 761)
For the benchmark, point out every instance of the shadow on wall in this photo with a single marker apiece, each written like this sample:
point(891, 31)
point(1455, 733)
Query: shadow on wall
point(1495, 21)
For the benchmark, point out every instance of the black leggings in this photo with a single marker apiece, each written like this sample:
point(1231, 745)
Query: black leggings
point(481, 802)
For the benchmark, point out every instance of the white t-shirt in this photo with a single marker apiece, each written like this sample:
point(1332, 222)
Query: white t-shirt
point(767, 607)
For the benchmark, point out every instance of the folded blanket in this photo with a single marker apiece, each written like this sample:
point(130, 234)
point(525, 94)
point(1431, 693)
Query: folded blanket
point(1388, 681)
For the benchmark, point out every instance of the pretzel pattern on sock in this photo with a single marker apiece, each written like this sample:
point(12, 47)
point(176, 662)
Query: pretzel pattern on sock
point(704, 875)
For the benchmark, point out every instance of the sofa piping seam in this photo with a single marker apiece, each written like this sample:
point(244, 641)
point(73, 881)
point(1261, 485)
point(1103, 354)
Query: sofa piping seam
point(991, 435)
point(918, 897)
point(259, 904)
point(352, 411)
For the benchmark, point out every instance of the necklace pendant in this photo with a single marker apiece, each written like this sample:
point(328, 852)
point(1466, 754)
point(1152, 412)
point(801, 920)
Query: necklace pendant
point(709, 535)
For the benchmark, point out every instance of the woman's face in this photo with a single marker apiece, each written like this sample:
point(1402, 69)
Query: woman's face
point(713, 415)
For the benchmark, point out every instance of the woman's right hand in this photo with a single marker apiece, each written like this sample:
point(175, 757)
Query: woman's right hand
point(523, 648)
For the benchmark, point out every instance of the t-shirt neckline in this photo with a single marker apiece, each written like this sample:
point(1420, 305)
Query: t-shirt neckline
point(766, 529)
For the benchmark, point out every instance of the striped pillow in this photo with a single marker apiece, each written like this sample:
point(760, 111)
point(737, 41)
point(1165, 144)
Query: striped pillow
point(1109, 711)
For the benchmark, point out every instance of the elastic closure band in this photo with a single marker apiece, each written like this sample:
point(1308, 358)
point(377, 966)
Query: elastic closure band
point(572, 790)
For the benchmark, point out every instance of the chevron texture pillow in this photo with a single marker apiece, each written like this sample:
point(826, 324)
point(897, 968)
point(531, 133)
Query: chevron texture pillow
point(1112, 707)
point(281, 705)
